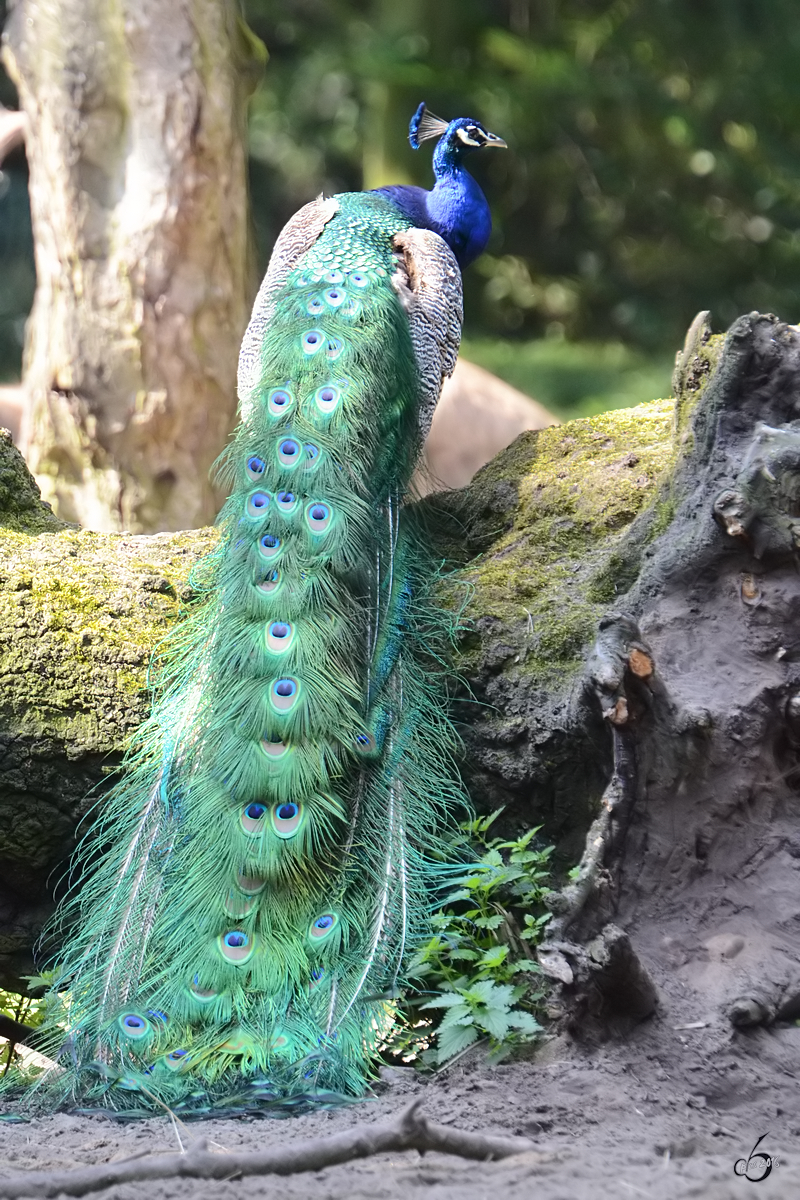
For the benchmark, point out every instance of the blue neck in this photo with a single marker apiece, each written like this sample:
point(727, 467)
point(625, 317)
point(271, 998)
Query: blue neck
point(455, 208)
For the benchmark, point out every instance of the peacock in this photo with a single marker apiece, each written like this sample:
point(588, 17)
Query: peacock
point(254, 884)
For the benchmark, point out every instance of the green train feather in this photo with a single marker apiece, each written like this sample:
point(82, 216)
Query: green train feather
point(252, 887)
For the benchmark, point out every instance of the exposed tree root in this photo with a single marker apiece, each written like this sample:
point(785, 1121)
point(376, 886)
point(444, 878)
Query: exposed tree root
point(410, 1130)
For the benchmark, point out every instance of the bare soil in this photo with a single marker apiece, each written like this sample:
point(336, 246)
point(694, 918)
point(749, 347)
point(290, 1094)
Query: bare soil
point(664, 1115)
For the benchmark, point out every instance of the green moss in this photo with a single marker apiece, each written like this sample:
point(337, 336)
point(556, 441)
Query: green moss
point(557, 506)
point(702, 358)
point(80, 613)
point(21, 506)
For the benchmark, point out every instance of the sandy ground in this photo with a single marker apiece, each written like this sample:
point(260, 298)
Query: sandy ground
point(663, 1115)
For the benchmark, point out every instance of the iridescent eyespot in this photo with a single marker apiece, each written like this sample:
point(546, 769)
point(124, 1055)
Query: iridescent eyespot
point(364, 743)
point(270, 582)
point(287, 819)
point(257, 504)
point(286, 501)
point(274, 750)
point(269, 545)
point(279, 401)
point(175, 1059)
point(255, 467)
point(315, 306)
point(252, 819)
point(280, 636)
point(158, 1015)
point(284, 694)
point(301, 281)
point(353, 308)
point(236, 946)
point(335, 296)
point(204, 995)
point(323, 926)
point(312, 341)
point(134, 1025)
point(327, 398)
point(289, 452)
point(318, 517)
point(334, 276)
point(311, 456)
point(359, 279)
point(334, 348)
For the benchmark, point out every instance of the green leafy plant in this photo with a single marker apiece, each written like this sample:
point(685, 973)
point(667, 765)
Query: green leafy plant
point(481, 958)
point(27, 1011)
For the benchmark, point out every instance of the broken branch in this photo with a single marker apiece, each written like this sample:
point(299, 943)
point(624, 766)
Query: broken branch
point(408, 1131)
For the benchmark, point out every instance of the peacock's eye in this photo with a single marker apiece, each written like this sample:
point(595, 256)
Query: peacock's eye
point(257, 504)
point(269, 545)
point(280, 636)
point(279, 401)
point(289, 452)
point(270, 582)
point(255, 811)
point(323, 925)
point(318, 516)
point(327, 399)
point(310, 456)
point(287, 819)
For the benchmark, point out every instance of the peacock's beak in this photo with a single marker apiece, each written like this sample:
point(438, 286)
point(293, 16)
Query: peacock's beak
point(493, 140)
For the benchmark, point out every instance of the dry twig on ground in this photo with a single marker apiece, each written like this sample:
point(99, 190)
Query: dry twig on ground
point(410, 1130)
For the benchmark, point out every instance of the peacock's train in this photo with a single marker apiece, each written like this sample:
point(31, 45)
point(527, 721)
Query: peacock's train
point(253, 886)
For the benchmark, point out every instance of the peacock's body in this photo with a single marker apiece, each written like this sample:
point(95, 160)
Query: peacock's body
point(268, 860)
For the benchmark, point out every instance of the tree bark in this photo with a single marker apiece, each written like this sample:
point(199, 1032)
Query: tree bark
point(633, 676)
point(135, 140)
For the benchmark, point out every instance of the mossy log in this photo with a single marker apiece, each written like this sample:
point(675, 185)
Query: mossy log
point(630, 669)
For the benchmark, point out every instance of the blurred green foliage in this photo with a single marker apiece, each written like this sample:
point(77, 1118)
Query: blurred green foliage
point(653, 170)
point(654, 167)
point(575, 379)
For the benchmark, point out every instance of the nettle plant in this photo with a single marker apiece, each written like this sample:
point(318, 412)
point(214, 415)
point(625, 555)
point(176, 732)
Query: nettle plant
point(477, 977)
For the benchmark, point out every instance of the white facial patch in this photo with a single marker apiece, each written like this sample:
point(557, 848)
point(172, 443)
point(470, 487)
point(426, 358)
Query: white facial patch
point(464, 137)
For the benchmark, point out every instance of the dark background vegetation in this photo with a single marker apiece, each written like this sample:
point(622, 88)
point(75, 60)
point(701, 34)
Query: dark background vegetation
point(653, 170)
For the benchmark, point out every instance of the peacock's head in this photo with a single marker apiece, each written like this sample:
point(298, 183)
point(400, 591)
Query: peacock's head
point(456, 138)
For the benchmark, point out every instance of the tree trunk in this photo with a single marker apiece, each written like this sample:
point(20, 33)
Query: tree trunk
point(135, 139)
point(633, 666)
